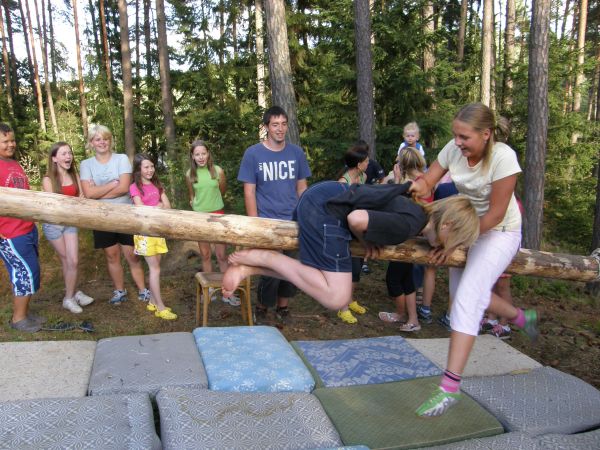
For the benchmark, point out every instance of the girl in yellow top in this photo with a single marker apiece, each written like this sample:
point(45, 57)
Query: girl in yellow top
point(206, 185)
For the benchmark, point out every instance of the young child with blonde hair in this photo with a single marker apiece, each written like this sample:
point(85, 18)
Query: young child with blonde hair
point(411, 135)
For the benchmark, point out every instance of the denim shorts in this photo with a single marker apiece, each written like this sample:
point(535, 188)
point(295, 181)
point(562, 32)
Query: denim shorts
point(20, 256)
point(53, 232)
point(324, 241)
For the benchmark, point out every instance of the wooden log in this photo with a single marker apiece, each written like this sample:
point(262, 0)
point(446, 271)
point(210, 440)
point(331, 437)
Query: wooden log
point(249, 231)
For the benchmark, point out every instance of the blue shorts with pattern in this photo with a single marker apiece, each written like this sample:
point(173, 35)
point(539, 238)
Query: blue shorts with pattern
point(20, 256)
point(323, 240)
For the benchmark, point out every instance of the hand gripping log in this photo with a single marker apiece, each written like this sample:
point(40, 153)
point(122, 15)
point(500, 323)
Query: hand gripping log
point(251, 232)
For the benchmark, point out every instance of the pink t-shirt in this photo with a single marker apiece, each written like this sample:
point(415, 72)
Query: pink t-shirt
point(150, 196)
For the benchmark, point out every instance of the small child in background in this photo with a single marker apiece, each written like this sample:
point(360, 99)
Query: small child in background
point(18, 241)
point(207, 184)
point(62, 178)
point(411, 135)
point(399, 277)
point(147, 190)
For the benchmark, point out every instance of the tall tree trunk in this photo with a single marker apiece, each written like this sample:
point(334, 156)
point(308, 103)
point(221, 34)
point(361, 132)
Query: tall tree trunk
point(165, 90)
point(36, 74)
point(537, 124)
point(52, 44)
point(486, 51)
point(565, 18)
point(364, 74)
point(9, 87)
point(464, 5)
point(44, 46)
point(97, 46)
point(138, 94)
point(509, 55)
point(221, 50)
point(105, 49)
point(82, 99)
point(28, 49)
point(580, 54)
point(260, 63)
point(428, 52)
point(149, 79)
point(13, 57)
point(280, 69)
point(128, 124)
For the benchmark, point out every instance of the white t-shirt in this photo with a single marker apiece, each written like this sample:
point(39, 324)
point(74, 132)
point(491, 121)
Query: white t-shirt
point(117, 165)
point(476, 183)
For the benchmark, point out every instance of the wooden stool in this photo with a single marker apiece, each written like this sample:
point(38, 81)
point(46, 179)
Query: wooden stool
point(206, 280)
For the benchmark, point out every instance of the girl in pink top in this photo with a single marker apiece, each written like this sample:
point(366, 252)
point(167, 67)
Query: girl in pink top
point(147, 190)
point(62, 178)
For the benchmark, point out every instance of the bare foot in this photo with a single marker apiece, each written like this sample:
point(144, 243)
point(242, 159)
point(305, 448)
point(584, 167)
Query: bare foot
point(251, 257)
point(232, 278)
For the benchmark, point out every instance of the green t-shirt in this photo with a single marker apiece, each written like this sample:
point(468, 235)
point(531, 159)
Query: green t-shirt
point(207, 195)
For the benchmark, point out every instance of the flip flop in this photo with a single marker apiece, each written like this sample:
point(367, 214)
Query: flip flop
point(389, 317)
point(59, 326)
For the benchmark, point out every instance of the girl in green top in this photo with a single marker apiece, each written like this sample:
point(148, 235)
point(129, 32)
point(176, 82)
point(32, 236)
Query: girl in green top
point(207, 184)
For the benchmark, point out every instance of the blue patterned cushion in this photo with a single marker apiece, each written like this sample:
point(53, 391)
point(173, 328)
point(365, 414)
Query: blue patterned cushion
point(251, 359)
point(542, 401)
point(365, 361)
point(111, 422)
point(146, 363)
point(195, 419)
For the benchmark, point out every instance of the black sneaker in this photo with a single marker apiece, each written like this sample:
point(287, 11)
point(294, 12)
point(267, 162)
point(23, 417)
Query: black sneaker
point(424, 313)
point(365, 269)
point(283, 315)
point(444, 321)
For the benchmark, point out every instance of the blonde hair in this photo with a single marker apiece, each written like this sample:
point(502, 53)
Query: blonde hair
point(458, 213)
point(411, 163)
point(480, 117)
point(102, 131)
point(411, 126)
point(192, 173)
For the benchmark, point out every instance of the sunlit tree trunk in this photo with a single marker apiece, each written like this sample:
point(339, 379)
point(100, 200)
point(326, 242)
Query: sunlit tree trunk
point(280, 69)
point(260, 61)
point(165, 89)
point(149, 79)
point(52, 44)
point(97, 46)
point(486, 51)
point(464, 4)
point(537, 125)
point(82, 99)
point(128, 125)
point(11, 45)
point(509, 55)
point(364, 74)
point(105, 49)
point(9, 87)
point(36, 75)
point(28, 50)
point(428, 53)
point(138, 94)
point(565, 18)
point(44, 46)
point(580, 54)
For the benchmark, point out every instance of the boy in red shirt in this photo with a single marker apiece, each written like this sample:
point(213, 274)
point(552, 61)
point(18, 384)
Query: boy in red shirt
point(18, 240)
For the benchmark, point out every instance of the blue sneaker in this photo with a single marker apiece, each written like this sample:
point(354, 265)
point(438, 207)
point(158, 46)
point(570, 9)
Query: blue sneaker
point(144, 295)
point(118, 297)
point(424, 313)
point(444, 321)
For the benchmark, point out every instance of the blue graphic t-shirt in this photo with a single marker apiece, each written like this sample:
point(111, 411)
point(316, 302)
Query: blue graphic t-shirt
point(275, 175)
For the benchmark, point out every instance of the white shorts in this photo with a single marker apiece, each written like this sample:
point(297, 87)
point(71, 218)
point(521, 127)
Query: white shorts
point(471, 287)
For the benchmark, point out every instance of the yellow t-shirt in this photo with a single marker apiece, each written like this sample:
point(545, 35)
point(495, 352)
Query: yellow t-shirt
point(476, 183)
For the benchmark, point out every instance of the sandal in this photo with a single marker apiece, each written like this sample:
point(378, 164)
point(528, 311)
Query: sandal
point(390, 317)
point(347, 316)
point(410, 327)
point(356, 308)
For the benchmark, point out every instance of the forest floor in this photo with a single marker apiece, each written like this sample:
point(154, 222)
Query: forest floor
point(570, 323)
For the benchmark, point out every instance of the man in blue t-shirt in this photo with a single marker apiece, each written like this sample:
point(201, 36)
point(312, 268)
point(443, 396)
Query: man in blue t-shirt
point(274, 174)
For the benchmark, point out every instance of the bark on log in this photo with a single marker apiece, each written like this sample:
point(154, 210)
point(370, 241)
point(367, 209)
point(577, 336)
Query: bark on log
point(248, 231)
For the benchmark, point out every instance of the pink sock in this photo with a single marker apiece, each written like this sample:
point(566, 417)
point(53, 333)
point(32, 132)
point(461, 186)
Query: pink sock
point(520, 319)
point(450, 382)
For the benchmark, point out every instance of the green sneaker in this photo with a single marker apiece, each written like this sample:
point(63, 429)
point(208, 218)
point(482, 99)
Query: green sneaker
point(530, 328)
point(439, 402)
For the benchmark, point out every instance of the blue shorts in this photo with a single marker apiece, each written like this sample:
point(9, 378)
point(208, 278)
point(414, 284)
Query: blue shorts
point(20, 256)
point(54, 232)
point(324, 241)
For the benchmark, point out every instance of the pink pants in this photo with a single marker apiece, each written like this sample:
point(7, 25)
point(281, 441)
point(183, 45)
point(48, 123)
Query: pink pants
point(471, 287)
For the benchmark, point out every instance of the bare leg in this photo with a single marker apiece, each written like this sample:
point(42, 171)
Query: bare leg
point(154, 280)
point(331, 289)
point(221, 253)
point(205, 254)
point(428, 285)
point(135, 266)
point(20, 308)
point(115, 269)
point(458, 354)
point(60, 247)
point(400, 305)
point(502, 290)
point(411, 307)
point(72, 261)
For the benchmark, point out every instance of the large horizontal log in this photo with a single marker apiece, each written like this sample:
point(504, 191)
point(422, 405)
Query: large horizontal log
point(248, 231)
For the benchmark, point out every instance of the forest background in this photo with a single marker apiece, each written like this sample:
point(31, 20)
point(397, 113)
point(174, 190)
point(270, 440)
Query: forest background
point(161, 75)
